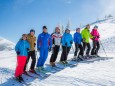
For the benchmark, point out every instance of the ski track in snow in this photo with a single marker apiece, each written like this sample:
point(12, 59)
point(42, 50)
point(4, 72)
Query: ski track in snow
point(97, 73)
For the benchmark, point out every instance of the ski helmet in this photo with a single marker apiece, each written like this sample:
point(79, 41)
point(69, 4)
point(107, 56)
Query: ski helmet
point(44, 27)
point(32, 30)
point(95, 26)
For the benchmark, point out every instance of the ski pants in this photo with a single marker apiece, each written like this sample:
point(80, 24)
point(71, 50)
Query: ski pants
point(65, 52)
point(33, 57)
point(54, 53)
point(21, 61)
point(77, 47)
point(43, 57)
point(96, 47)
point(88, 47)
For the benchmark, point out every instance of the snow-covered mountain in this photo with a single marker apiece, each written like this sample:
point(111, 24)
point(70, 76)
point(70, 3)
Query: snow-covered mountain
point(6, 44)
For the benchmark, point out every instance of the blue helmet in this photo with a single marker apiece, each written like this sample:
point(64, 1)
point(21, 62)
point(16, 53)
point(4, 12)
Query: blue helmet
point(95, 26)
point(32, 30)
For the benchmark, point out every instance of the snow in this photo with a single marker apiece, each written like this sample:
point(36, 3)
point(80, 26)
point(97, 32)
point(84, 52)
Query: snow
point(97, 73)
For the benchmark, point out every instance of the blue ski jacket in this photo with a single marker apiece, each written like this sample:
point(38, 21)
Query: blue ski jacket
point(44, 41)
point(67, 38)
point(22, 46)
point(77, 38)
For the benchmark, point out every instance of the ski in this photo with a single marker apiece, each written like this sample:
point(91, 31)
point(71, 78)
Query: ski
point(30, 75)
point(22, 82)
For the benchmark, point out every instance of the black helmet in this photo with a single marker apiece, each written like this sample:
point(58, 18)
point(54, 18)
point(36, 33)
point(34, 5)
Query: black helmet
point(44, 27)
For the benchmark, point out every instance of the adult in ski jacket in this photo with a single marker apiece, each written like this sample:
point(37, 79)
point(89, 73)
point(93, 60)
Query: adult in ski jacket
point(44, 44)
point(21, 48)
point(56, 37)
point(32, 41)
point(86, 37)
point(78, 45)
point(67, 42)
point(96, 44)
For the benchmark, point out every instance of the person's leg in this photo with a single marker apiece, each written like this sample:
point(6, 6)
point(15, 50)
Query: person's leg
point(29, 54)
point(98, 47)
point(18, 66)
point(88, 48)
point(53, 55)
point(94, 48)
point(56, 53)
point(76, 50)
point(63, 53)
point(23, 62)
point(84, 45)
point(44, 56)
point(33, 56)
point(67, 52)
point(81, 50)
point(39, 63)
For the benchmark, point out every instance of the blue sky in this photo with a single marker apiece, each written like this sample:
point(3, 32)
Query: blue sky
point(19, 16)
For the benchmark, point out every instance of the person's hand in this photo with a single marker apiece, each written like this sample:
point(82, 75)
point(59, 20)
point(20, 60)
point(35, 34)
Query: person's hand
point(28, 49)
point(38, 49)
point(34, 44)
point(83, 40)
point(18, 53)
point(49, 49)
point(71, 42)
point(66, 44)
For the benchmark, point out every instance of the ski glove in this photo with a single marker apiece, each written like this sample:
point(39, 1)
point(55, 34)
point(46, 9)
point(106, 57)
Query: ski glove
point(49, 49)
point(34, 44)
point(71, 42)
point(66, 44)
point(28, 49)
point(38, 49)
point(18, 53)
point(83, 40)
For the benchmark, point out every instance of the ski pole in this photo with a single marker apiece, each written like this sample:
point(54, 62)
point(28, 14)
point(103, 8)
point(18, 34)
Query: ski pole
point(103, 48)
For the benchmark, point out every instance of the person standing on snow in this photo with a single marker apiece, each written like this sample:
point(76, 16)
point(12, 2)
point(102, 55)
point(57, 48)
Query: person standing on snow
point(56, 37)
point(32, 41)
point(86, 36)
point(44, 44)
point(21, 48)
point(67, 42)
point(78, 45)
point(96, 44)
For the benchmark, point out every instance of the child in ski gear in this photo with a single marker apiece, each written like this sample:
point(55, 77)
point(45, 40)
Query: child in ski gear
point(96, 44)
point(21, 48)
point(86, 36)
point(78, 45)
point(67, 42)
point(44, 44)
point(32, 41)
point(56, 37)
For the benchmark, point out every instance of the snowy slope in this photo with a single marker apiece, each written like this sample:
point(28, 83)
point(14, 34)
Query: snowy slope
point(98, 73)
point(6, 44)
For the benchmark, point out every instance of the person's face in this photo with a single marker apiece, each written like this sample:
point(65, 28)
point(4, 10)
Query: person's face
point(68, 31)
point(57, 30)
point(78, 30)
point(24, 37)
point(45, 30)
point(88, 27)
point(32, 33)
point(95, 28)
